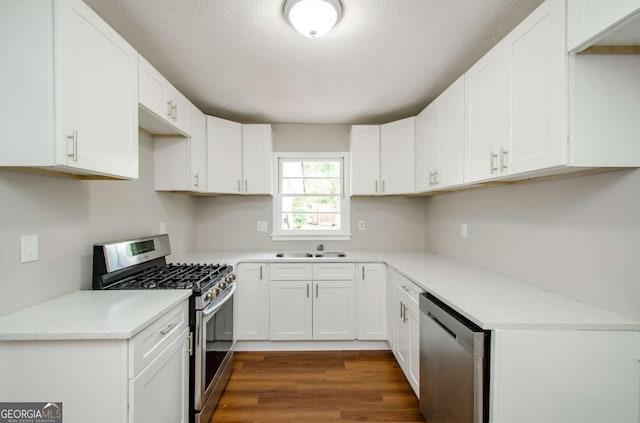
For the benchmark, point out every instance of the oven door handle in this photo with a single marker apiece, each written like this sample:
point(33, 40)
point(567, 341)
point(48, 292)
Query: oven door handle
point(218, 304)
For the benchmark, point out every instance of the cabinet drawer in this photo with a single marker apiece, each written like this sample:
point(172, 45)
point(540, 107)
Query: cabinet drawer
point(333, 271)
point(411, 289)
point(290, 272)
point(148, 344)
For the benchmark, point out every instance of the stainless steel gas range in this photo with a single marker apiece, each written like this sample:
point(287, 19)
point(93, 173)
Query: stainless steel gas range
point(141, 264)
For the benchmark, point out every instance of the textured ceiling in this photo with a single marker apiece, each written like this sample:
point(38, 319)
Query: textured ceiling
point(240, 60)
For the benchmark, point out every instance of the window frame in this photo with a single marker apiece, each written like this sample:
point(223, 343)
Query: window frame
point(279, 234)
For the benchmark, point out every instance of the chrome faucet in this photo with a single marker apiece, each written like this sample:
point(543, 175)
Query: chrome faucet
point(320, 247)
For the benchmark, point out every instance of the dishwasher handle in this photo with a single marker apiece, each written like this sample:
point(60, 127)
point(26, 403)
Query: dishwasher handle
point(442, 325)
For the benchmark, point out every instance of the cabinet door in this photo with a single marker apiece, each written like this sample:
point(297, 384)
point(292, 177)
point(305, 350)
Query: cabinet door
point(397, 156)
point(427, 146)
point(587, 19)
point(256, 159)
point(161, 392)
point(198, 151)
point(290, 310)
point(365, 159)
point(224, 156)
point(153, 86)
point(451, 137)
point(252, 302)
point(535, 71)
point(96, 90)
point(392, 308)
point(372, 301)
point(486, 121)
point(333, 310)
point(413, 367)
point(181, 110)
point(403, 333)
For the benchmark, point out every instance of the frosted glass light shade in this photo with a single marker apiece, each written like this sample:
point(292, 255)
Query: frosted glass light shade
point(313, 18)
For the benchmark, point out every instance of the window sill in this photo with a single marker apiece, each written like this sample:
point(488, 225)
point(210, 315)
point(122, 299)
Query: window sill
point(319, 237)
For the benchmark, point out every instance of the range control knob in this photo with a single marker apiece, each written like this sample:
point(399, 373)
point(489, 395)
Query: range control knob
point(229, 278)
point(211, 295)
point(223, 285)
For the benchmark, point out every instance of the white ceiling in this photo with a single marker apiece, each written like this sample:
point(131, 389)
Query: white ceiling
point(240, 60)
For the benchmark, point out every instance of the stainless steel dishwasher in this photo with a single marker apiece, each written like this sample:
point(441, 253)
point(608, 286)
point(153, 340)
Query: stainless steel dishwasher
point(454, 365)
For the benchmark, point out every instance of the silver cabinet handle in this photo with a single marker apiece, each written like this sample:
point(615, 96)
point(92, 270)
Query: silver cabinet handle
point(307, 290)
point(175, 111)
point(384, 186)
point(239, 187)
point(246, 186)
point(170, 109)
point(430, 178)
point(197, 178)
point(260, 272)
point(72, 146)
point(493, 167)
point(435, 177)
point(503, 159)
point(401, 310)
point(317, 290)
point(363, 272)
point(168, 328)
point(376, 185)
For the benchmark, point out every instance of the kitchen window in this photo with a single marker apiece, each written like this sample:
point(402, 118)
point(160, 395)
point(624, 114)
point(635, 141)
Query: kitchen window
point(311, 199)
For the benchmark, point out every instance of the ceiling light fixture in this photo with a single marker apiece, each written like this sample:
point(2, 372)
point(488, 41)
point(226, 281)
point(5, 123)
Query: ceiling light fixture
point(313, 18)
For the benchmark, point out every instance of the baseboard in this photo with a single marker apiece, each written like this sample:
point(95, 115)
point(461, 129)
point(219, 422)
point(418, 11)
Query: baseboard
point(310, 345)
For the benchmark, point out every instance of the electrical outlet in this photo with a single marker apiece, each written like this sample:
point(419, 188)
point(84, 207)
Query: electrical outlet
point(28, 248)
point(361, 225)
point(464, 230)
point(261, 226)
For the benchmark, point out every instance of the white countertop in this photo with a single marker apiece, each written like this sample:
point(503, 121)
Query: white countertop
point(488, 299)
point(90, 315)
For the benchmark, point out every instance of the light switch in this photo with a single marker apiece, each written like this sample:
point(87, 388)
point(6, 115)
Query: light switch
point(261, 226)
point(28, 248)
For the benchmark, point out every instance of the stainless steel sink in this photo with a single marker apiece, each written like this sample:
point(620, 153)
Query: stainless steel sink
point(294, 255)
point(331, 254)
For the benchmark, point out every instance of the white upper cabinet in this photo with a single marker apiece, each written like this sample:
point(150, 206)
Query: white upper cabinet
point(76, 80)
point(397, 155)
point(257, 149)
point(486, 120)
point(427, 147)
point(181, 163)
point(239, 157)
point(365, 159)
point(163, 109)
point(224, 145)
point(588, 20)
point(379, 158)
point(535, 62)
point(440, 140)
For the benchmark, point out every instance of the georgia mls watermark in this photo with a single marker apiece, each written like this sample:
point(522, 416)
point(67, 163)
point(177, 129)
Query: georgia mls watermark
point(30, 412)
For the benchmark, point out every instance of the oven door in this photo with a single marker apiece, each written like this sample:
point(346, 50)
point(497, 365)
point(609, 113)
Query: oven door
point(213, 354)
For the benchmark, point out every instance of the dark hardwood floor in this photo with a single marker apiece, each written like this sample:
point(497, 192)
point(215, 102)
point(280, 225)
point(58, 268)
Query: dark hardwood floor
point(327, 386)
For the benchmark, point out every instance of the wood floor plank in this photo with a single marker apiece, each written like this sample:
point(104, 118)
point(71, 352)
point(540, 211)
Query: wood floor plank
point(326, 386)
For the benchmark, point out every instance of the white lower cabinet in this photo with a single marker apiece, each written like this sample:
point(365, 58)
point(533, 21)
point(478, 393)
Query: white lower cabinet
point(320, 307)
point(333, 310)
point(251, 305)
point(160, 393)
point(290, 310)
point(405, 319)
point(137, 380)
point(372, 301)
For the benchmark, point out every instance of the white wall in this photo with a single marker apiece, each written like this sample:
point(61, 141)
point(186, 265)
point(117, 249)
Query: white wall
point(69, 216)
point(230, 223)
point(579, 237)
point(301, 137)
